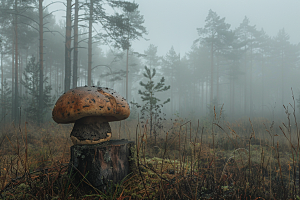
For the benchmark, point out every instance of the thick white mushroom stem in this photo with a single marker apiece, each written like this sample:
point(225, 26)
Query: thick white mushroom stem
point(90, 130)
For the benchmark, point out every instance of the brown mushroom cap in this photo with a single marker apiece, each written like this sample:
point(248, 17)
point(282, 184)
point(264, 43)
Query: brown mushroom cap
point(86, 101)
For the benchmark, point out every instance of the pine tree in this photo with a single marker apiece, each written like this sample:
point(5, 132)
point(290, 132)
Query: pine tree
point(30, 81)
point(6, 100)
point(285, 57)
point(17, 19)
point(199, 64)
point(213, 35)
point(247, 35)
point(118, 28)
point(152, 108)
point(152, 59)
point(134, 30)
point(171, 66)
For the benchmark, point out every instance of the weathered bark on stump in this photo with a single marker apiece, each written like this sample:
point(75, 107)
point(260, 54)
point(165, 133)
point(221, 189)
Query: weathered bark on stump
point(103, 164)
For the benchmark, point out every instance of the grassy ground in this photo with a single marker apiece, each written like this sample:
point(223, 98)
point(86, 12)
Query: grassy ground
point(245, 159)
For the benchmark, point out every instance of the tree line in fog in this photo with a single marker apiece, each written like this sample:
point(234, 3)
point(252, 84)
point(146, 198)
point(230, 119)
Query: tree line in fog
point(244, 69)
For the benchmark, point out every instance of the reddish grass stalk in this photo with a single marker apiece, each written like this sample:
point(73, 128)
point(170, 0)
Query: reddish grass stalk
point(179, 150)
point(139, 170)
point(283, 187)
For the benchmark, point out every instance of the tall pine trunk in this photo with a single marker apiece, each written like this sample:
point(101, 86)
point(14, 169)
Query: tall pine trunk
point(90, 45)
point(245, 85)
point(68, 47)
point(230, 96)
point(251, 82)
point(202, 96)
point(127, 76)
point(41, 56)
point(13, 78)
point(217, 77)
point(75, 58)
point(206, 91)
point(262, 85)
point(172, 93)
point(20, 76)
point(212, 71)
point(2, 95)
point(16, 100)
point(282, 79)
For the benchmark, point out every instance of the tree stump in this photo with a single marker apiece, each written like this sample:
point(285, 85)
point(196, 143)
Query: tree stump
point(102, 164)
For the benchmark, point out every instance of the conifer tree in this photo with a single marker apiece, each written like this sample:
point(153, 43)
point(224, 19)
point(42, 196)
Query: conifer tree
point(152, 59)
point(247, 35)
point(30, 81)
point(213, 35)
point(152, 107)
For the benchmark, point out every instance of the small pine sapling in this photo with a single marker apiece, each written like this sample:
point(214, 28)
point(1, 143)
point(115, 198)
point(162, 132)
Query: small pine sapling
point(152, 108)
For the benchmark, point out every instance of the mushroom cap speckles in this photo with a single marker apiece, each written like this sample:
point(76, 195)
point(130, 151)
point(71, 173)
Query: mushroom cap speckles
point(90, 101)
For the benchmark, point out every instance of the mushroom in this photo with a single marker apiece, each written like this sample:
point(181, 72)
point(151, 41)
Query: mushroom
point(90, 108)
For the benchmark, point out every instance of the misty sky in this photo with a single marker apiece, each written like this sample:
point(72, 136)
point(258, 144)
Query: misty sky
point(174, 22)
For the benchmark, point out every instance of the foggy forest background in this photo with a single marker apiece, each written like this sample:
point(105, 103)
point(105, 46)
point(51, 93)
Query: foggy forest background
point(244, 69)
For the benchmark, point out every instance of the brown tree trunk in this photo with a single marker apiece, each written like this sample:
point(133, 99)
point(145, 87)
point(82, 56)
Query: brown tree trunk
point(218, 85)
point(251, 82)
point(16, 99)
point(233, 96)
point(75, 58)
point(194, 89)
point(41, 60)
point(245, 85)
point(26, 58)
point(62, 78)
point(20, 76)
point(68, 47)
point(172, 93)
point(57, 80)
point(127, 76)
point(212, 71)
point(2, 95)
point(262, 86)
point(13, 79)
point(230, 96)
point(282, 78)
point(202, 97)
point(50, 75)
point(90, 45)
point(206, 92)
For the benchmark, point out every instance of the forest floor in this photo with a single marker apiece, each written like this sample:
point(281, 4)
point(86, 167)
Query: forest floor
point(189, 160)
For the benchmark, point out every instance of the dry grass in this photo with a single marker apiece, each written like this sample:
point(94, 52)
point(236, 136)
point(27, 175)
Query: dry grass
point(245, 159)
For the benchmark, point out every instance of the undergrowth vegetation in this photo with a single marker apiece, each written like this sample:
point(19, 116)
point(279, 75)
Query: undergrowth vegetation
point(245, 159)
